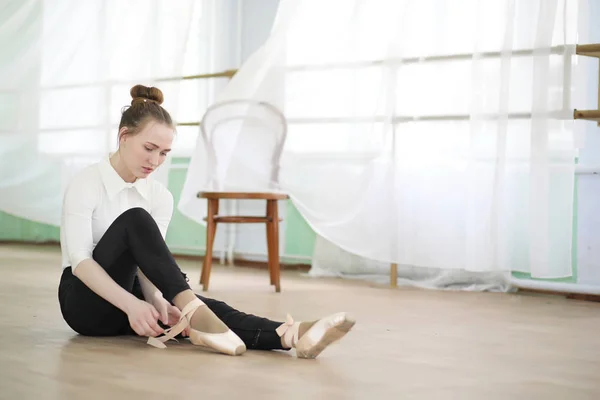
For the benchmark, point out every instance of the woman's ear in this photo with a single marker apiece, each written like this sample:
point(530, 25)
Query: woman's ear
point(122, 135)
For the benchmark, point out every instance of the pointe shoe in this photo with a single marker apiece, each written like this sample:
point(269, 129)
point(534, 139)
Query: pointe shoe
point(226, 342)
point(324, 332)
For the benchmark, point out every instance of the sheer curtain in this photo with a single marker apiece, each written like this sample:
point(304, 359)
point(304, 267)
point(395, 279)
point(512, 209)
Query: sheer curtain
point(65, 74)
point(423, 133)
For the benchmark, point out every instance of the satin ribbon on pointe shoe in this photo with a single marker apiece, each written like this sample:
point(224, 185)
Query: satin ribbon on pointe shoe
point(169, 334)
point(284, 329)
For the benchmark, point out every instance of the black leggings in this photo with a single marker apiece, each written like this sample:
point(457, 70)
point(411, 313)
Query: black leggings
point(134, 240)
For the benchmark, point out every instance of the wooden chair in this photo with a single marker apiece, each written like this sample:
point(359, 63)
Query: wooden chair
point(222, 119)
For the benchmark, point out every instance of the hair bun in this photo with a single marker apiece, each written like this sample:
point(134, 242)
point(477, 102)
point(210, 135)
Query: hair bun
point(145, 92)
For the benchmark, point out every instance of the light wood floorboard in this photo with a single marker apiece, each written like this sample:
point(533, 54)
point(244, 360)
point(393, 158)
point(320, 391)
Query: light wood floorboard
point(407, 344)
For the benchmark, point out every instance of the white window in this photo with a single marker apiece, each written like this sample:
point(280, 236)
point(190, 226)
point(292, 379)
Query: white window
point(94, 52)
point(425, 65)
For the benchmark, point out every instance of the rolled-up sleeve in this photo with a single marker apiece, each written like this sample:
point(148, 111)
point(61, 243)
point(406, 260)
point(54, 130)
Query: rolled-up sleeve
point(78, 207)
point(162, 209)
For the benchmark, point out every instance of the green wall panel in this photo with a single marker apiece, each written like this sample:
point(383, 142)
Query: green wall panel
point(299, 236)
point(19, 229)
point(573, 277)
point(184, 235)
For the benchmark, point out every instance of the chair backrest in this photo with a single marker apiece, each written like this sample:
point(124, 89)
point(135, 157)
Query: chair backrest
point(244, 141)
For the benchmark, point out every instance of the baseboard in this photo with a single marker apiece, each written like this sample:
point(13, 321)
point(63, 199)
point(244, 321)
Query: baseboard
point(567, 295)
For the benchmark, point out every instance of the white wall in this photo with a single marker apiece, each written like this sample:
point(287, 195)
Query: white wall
point(257, 19)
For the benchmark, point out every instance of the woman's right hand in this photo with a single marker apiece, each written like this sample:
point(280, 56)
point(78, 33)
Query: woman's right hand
point(143, 318)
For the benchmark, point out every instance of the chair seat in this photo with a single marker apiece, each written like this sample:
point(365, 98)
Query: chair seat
point(243, 195)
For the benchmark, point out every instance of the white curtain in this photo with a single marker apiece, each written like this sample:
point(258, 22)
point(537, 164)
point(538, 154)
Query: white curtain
point(423, 132)
point(66, 69)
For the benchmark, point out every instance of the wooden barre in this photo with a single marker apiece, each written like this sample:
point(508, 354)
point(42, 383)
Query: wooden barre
point(590, 50)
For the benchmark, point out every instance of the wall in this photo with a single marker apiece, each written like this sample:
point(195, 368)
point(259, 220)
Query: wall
point(588, 213)
point(586, 240)
point(255, 17)
point(187, 237)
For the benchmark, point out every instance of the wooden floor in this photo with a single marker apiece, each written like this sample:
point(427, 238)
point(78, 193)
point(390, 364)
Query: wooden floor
point(407, 344)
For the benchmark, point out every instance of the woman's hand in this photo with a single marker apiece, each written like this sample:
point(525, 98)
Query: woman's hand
point(169, 314)
point(143, 318)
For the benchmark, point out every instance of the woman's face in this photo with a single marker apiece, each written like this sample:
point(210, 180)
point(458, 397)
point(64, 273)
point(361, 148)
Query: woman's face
point(144, 152)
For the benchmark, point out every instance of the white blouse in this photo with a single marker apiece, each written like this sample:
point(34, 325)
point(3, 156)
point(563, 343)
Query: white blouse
point(95, 197)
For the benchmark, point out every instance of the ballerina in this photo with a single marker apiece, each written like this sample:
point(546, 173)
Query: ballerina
point(119, 276)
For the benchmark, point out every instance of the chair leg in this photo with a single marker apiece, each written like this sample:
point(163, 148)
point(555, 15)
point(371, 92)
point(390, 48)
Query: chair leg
point(270, 256)
point(211, 230)
point(273, 244)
